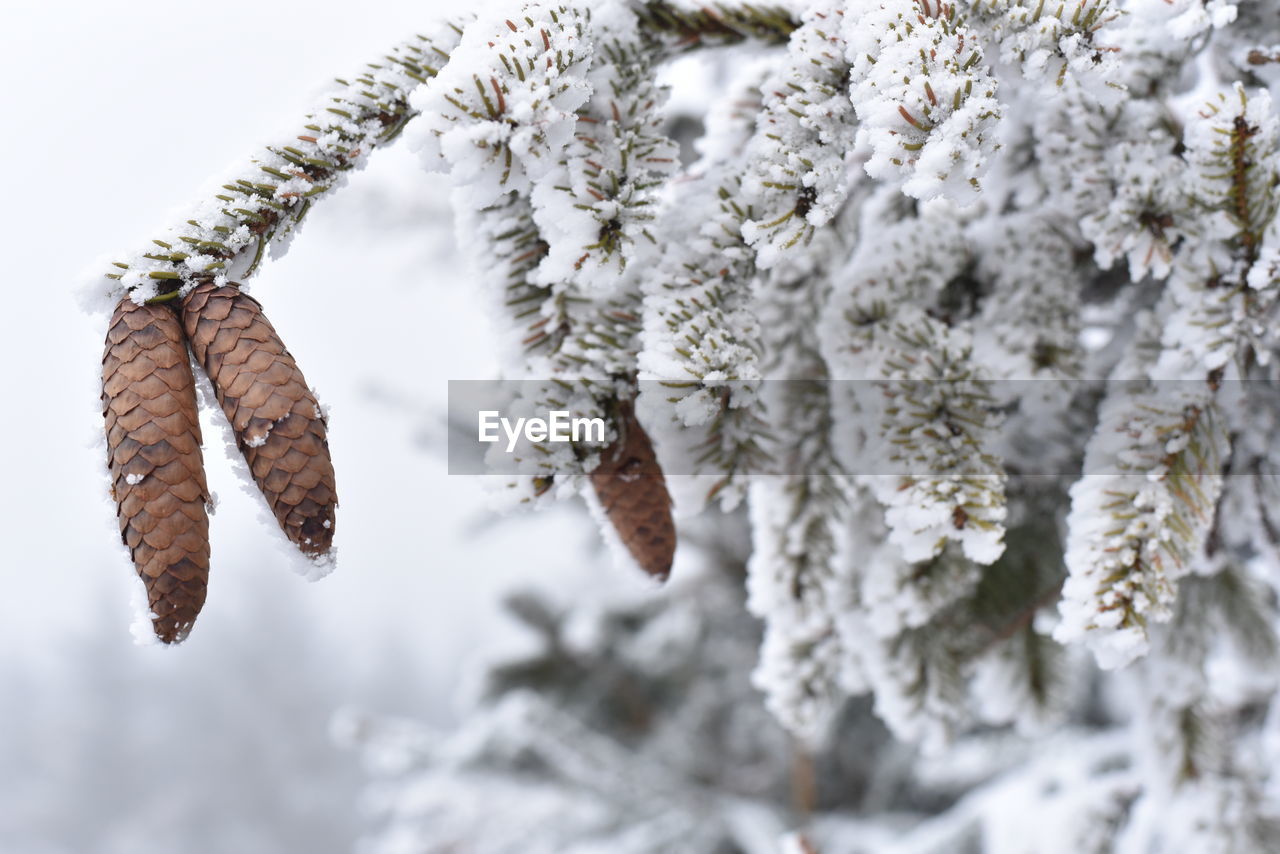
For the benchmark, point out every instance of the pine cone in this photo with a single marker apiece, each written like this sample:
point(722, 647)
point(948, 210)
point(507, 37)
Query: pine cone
point(157, 473)
point(277, 420)
point(631, 488)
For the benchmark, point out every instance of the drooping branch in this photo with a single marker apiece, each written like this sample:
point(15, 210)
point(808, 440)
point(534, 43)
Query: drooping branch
point(260, 205)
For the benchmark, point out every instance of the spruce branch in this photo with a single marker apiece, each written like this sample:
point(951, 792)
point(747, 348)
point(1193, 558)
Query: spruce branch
point(936, 431)
point(924, 96)
point(1233, 151)
point(701, 341)
point(798, 177)
point(922, 421)
point(917, 629)
point(798, 576)
point(262, 204)
point(561, 140)
point(919, 681)
point(1221, 296)
point(1140, 516)
point(1030, 307)
point(499, 117)
point(702, 349)
point(1051, 43)
point(680, 28)
point(597, 207)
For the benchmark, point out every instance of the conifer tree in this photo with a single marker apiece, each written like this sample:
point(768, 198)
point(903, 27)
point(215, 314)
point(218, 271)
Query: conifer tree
point(965, 309)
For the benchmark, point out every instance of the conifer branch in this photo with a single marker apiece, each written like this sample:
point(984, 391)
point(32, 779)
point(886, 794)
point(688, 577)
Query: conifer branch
point(682, 28)
point(260, 206)
point(1140, 516)
point(925, 99)
point(701, 340)
point(799, 576)
point(1219, 294)
point(925, 426)
point(798, 178)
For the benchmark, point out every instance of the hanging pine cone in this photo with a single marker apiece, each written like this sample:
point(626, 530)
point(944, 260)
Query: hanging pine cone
point(633, 491)
point(157, 473)
point(277, 421)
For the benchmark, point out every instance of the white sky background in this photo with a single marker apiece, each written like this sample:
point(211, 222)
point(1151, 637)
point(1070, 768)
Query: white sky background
point(114, 116)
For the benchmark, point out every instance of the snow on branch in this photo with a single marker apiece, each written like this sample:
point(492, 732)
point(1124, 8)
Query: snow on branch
point(1120, 181)
point(1140, 515)
point(702, 341)
point(926, 436)
point(1031, 312)
point(797, 582)
point(506, 247)
point(1045, 41)
point(500, 114)
point(794, 587)
point(925, 99)
point(683, 25)
point(798, 177)
point(533, 180)
point(1198, 795)
point(550, 123)
point(941, 641)
point(1219, 300)
point(261, 204)
point(702, 346)
point(938, 427)
point(601, 198)
point(1154, 468)
point(575, 351)
point(1156, 39)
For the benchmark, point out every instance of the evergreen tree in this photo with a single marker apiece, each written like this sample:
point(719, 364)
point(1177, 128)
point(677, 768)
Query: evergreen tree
point(965, 309)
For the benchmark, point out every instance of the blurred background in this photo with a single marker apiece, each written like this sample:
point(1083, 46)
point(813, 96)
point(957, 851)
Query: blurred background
point(115, 115)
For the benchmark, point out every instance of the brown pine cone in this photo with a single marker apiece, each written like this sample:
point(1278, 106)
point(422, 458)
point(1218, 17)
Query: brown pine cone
point(157, 473)
point(277, 421)
point(631, 488)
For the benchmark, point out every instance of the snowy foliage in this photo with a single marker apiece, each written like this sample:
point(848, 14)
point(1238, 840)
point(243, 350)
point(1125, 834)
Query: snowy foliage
point(973, 306)
point(1218, 297)
point(797, 581)
point(928, 423)
point(258, 207)
point(925, 100)
point(1140, 515)
point(504, 107)
point(1048, 42)
point(604, 197)
point(701, 346)
point(799, 177)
